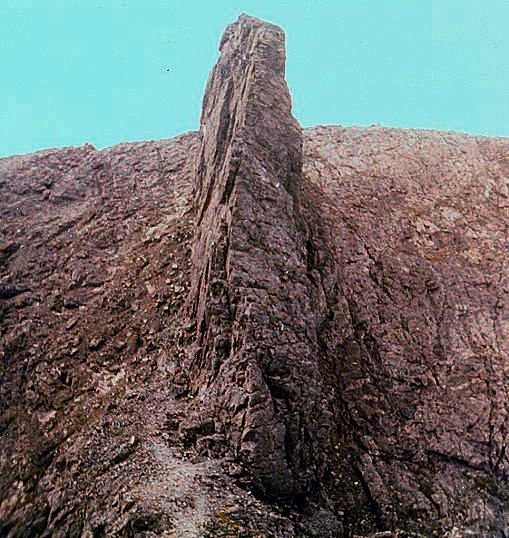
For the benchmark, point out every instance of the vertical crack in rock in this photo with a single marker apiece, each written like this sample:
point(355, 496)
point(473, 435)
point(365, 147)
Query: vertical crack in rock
point(255, 360)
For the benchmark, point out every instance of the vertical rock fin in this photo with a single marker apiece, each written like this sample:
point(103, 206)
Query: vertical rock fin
point(255, 364)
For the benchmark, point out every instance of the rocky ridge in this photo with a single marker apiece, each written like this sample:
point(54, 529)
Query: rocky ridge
point(256, 330)
point(250, 294)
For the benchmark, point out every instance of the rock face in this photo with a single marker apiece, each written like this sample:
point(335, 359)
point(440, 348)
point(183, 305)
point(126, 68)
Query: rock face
point(251, 296)
point(317, 317)
point(410, 234)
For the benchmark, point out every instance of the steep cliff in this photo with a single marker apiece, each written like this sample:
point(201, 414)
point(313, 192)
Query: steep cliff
point(256, 362)
point(256, 330)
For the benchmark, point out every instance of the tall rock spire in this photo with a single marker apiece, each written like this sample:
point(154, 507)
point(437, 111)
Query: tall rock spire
point(255, 362)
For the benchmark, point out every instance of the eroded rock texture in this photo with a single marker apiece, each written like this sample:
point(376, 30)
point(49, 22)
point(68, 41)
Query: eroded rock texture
point(318, 317)
point(410, 234)
point(251, 297)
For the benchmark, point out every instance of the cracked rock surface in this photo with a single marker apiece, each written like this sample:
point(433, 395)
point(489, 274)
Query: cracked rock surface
point(256, 330)
point(251, 295)
point(410, 239)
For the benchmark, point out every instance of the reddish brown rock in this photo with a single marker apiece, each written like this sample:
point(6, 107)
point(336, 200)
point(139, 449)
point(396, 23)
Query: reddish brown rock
point(410, 234)
point(256, 364)
point(319, 317)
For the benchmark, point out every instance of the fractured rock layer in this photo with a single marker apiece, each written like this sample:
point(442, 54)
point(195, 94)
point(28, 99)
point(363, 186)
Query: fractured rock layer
point(410, 230)
point(324, 323)
point(251, 295)
point(378, 315)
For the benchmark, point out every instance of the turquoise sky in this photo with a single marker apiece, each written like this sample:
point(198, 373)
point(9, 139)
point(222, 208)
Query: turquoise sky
point(96, 71)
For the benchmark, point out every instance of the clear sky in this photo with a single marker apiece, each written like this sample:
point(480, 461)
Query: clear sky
point(76, 71)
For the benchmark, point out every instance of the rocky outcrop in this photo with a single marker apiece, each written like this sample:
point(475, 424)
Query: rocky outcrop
point(251, 296)
point(337, 307)
point(318, 317)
